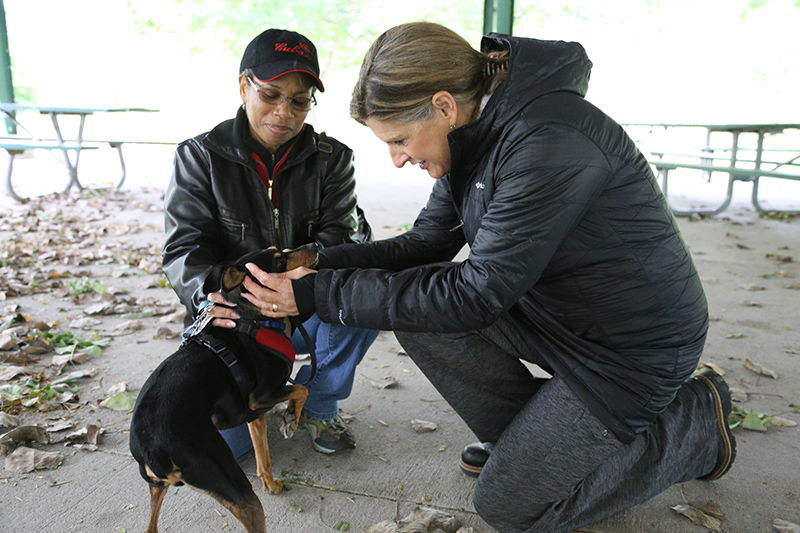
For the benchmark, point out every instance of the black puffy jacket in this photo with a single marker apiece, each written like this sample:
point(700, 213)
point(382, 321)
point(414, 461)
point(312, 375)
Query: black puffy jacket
point(217, 208)
point(569, 235)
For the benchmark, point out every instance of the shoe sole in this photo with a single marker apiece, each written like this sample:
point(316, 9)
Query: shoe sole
point(729, 443)
point(470, 470)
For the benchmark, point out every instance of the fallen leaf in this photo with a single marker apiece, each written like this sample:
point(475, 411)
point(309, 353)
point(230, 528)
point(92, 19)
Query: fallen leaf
point(384, 383)
point(9, 372)
point(25, 459)
point(698, 517)
point(738, 395)
point(753, 287)
point(420, 520)
point(166, 333)
point(176, 317)
point(755, 421)
point(84, 323)
point(87, 436)
point(780, 421)
point(76, 358)
point(61, 425)
point(8, 340)
point(779, 258)
point(126, 328)
point(119, 387)
point(8, 420)
point(791, 286)
point(11, 440)
point(716, 368)
point(711, 508)
point(758, 369)
point(785, 527)
point(422, 426)
point(750, 304)
point(122, 401)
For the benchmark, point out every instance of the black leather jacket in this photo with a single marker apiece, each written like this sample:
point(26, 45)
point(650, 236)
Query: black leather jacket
point(217, 207)
point(570, 237)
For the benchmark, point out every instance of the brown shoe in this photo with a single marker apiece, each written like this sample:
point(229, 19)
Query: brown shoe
point(721, 395)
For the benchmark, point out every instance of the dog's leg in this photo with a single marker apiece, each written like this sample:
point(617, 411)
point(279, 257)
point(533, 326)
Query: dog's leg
point(250, 514)
point(291, 416)
point(258, 433)
point(157, 493)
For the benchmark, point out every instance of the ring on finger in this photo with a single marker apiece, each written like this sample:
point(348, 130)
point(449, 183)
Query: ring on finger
point(274, 308)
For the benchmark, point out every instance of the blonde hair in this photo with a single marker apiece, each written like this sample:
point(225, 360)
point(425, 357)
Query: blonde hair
point(411, 62)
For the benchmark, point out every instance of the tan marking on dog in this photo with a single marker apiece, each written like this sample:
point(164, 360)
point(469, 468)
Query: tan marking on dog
point(173, 478)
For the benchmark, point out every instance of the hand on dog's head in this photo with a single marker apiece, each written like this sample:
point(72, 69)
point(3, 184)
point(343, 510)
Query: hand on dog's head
point(228, 278)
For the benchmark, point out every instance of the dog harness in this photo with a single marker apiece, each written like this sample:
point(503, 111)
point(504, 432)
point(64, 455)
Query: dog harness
point(268, 333)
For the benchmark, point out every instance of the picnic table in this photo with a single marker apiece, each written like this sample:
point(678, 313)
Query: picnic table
point(69, 150)
point(740, 161)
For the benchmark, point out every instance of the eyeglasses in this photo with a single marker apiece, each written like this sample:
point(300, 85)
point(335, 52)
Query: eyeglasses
point(271, 97)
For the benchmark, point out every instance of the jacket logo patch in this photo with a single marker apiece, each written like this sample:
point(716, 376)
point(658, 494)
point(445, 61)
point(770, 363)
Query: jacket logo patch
point(480, 185)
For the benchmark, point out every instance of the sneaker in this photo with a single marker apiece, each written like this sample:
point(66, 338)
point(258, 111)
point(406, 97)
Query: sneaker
point(328, 436)
point(474, 457)
point(721, 396)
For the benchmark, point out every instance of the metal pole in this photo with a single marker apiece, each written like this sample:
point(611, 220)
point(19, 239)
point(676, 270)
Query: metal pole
point(6, 83)
point(498, 16)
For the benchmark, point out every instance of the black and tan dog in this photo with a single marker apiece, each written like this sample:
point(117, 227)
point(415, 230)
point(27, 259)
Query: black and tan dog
point(218, 379)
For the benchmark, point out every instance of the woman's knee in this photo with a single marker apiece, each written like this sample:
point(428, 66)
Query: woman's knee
point(499, 505)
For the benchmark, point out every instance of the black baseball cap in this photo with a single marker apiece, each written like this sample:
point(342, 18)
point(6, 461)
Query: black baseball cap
point(277, 52)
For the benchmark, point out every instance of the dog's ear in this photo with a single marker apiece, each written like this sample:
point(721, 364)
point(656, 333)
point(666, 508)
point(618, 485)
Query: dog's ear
point(213, 281)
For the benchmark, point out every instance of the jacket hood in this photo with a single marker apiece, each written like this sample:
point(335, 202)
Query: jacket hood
point(536, 68)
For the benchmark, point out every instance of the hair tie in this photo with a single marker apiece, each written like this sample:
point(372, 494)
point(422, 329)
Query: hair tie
point(493, 68)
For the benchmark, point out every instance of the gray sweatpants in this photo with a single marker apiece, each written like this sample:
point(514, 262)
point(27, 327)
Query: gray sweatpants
point(555, 466)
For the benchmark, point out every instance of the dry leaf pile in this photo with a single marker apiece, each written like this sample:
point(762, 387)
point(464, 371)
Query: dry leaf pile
point(61, 252)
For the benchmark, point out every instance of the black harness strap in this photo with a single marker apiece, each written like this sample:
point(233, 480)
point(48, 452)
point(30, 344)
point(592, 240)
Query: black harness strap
point(244, 381)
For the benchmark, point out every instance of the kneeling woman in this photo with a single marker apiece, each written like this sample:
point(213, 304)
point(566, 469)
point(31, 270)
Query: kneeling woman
point(576, 264)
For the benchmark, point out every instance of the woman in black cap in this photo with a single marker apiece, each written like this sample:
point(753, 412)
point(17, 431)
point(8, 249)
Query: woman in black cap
point(266, 178)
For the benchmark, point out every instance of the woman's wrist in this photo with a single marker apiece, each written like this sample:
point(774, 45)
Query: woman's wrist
point(303, 289)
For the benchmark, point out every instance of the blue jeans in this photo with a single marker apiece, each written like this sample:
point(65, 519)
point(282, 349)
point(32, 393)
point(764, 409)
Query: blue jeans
point(339, 350)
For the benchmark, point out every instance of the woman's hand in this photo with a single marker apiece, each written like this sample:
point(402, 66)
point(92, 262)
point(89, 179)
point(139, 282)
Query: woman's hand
point(276, 297)
point(223, 316)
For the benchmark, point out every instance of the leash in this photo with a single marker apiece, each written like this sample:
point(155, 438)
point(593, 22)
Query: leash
point(295, 321)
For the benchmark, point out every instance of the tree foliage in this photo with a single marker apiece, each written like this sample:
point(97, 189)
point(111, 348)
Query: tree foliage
point(341, 30)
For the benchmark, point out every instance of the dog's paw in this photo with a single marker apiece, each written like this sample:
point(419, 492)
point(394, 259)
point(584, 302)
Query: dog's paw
point(275, 486)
